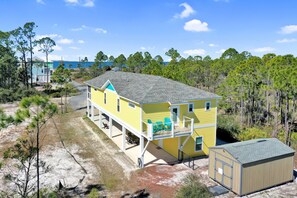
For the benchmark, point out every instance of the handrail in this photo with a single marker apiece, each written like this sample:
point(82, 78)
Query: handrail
point(186, 117)
point(191, 160)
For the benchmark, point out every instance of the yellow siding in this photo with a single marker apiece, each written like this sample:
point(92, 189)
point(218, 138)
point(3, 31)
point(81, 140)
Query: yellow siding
point(155, 112)
point(170, 145)
point(131, 116)
point(209, 136)
point(200, 115)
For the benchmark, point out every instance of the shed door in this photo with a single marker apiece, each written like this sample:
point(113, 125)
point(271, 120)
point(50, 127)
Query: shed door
point(223, 173)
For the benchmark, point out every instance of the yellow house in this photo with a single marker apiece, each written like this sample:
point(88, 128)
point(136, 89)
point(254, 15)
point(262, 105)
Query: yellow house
point(179, 118)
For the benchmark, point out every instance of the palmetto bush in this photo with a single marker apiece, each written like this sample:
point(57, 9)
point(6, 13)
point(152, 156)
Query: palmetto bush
point(192, 188)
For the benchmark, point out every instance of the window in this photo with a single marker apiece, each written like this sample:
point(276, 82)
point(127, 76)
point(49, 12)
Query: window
point(118, 105)
point(198, 143)
point(89, 92)
point(131, 105)
point(207, 106)
point(104, 98)
point(190, 107)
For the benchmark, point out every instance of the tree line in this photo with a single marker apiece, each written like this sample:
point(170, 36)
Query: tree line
point(16, 55)
point(259, 91)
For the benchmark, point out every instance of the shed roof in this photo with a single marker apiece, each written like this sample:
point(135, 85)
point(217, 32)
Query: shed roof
point(256, 150)
point(143, 88)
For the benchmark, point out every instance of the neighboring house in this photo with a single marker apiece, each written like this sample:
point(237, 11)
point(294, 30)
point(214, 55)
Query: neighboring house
point(41, 71)
point(177, 117)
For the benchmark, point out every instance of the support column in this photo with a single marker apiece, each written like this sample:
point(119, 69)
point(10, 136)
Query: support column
point(160, 143)
point(100, 119)
point(179, 147)
point(141, 143)
point(123, 138)
point(88, 110)
point(92, 112)
point(110, 127)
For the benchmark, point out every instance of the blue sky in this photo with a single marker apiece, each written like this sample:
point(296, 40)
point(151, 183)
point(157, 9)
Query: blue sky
point(193, 27)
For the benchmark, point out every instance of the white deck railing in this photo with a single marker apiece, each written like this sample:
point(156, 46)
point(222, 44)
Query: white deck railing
point(158, 131)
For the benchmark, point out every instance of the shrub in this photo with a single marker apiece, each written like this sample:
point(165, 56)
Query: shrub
point(252, 133)
point(10, 95)
point(228, 128)
point(6, 95)
point(94, 193)
point(56, 95)
point(192, 188)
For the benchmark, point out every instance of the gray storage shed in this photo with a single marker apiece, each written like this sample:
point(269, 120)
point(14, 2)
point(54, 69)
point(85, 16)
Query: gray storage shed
point(250, 166)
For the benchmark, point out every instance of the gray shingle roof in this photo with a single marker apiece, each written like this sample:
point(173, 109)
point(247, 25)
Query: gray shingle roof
point(256, 150)
point(143, 88)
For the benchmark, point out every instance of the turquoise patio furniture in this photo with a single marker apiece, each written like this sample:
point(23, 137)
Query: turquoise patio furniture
point(155, 127)
point(159, 125)
point(167, 124)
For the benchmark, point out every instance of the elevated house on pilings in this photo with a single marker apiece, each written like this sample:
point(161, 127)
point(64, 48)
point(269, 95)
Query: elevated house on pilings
point(180, 119)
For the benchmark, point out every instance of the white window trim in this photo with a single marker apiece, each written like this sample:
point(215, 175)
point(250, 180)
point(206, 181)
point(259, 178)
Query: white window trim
point(189, 108)
point(201, 144)
point(89, 91)
point(206, 106)
point(130, 106)
point(171, 114)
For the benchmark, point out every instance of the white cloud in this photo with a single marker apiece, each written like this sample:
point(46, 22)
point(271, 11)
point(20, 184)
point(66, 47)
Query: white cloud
point(221, 51)
point(57, 48)
point(40, 2)
point(147, 48)
point(263, 49)
point(52, 57)
point(72, 2)
point(196, 25)
point(65, 41)
point(89, 3)
point(74, 48)
point(81, 41)
point(100, 30)
point(186, 12)
point(84, 27)
point(286, 40)
point(76, 29)
point(195, 52)
point(212, 45)
point(84, 3)
point(52, 36)
point(289, 29)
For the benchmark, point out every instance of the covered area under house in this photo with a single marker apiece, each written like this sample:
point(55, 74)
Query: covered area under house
point(138, 147)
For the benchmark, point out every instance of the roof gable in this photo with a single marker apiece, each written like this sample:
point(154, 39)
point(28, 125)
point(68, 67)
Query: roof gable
point(110, 87)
